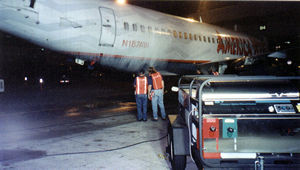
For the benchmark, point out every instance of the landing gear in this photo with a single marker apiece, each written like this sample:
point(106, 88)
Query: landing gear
point(222, 68)
point(209, 69)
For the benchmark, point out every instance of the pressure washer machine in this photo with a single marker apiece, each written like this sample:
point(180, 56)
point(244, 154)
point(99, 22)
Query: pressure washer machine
point(249, 122)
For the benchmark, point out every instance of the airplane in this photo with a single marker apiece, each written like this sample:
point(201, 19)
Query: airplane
point(124, 36)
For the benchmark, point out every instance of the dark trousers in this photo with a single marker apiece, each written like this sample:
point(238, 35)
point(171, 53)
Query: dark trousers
point(141, 104)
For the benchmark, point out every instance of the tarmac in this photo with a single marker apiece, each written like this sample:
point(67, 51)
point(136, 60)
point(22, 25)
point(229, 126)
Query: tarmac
point(80, 126)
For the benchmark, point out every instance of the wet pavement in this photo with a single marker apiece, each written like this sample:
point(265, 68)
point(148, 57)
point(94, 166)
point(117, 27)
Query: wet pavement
point(81, 126)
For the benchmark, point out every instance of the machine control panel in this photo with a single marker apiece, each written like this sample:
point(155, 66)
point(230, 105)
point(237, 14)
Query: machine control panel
point(284, 108)
point(230, 128)
point(252, 107)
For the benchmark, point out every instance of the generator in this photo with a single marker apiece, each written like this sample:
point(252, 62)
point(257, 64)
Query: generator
point(242, 122)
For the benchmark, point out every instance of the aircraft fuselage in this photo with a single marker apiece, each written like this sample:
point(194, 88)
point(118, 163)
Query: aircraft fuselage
point(122, 36)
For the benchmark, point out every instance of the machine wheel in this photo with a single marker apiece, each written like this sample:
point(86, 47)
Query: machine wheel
point(178, 162)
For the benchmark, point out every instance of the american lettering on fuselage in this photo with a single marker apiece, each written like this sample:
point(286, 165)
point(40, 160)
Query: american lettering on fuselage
point(239, 46)
point(123, 36)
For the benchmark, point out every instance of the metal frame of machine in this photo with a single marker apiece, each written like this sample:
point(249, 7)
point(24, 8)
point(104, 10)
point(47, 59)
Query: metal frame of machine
point(1, 85)
point(184, 140)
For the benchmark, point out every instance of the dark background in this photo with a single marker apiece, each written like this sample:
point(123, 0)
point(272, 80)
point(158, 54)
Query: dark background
point(281, 18)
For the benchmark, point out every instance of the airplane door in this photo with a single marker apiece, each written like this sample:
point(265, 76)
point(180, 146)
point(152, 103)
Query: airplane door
point(108, 27)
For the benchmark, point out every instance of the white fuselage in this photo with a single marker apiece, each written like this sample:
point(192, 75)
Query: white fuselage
point(122, 36)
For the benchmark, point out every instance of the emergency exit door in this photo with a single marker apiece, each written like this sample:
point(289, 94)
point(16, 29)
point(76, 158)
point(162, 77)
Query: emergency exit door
point(108, 27)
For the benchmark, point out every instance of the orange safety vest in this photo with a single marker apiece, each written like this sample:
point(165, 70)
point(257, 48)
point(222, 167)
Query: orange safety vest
point(141, 85)
point(157, 81)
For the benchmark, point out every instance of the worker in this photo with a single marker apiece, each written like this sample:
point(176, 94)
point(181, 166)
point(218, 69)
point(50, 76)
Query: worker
point(156, 91)
point(141, 85)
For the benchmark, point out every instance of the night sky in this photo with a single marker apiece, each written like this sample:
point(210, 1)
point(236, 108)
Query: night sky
point(280, 17)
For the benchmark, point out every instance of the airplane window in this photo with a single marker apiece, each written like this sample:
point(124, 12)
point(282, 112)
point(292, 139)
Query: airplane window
point(204, 38)
point(200, 39)
point(126, 26)
point(180, 35)
point(149, 29)
point(175, 34)
point(190, 36)
point(185, 35)
point(142, 28)
point(213, 40)
point(208, 39)
point(134, 27)
point(195, 37)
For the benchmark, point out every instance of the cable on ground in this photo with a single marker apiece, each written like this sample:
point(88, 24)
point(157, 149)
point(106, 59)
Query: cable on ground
point(108, 150)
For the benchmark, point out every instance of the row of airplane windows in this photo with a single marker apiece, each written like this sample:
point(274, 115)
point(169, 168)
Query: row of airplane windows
point(174, 33)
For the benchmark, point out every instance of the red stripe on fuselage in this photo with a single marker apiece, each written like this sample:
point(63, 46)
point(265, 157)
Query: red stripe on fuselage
point(136, 58)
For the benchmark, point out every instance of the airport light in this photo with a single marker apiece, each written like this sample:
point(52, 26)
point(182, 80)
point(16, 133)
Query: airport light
point(25, 78)
point(121, 2)
point(79, 61)
point(41, 81)
point(262, 27)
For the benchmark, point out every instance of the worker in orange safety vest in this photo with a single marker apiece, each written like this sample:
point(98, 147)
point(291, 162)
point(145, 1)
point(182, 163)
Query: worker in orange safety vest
point(156, 90)
point(141, 90)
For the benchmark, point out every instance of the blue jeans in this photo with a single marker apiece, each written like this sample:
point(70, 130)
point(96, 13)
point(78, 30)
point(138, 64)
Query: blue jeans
point(158, 99)
point(141, 105)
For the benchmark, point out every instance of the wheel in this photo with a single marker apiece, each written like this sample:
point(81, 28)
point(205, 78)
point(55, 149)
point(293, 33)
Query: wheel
point(178, 162)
